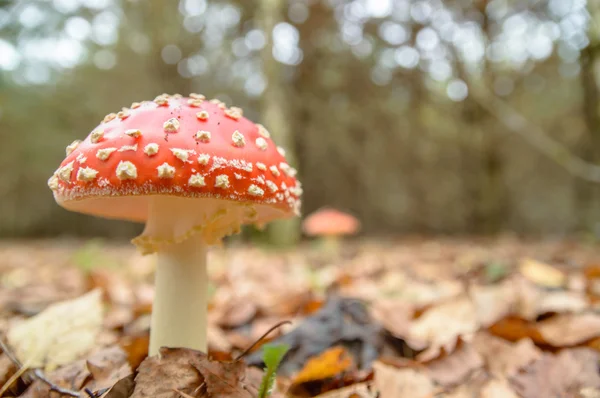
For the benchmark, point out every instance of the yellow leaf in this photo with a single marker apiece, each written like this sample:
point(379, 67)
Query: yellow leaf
point(60, 334)
point(541, 274)
point(329, 364)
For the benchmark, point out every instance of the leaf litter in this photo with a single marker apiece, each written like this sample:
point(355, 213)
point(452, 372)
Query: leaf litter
point(414, 318)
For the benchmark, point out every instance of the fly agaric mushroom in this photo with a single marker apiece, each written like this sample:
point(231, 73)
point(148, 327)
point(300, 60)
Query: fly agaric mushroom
point(193, 171)
point(330, 224)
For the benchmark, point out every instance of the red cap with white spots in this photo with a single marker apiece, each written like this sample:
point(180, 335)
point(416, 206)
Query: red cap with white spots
point(182, 165)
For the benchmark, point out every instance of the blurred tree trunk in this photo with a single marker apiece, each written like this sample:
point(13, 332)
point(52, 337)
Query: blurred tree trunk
point(275, 111)
point(588, 193)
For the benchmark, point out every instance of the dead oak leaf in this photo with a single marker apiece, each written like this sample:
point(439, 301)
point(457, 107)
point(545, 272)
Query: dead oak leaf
point(444, 324)
point(100, 370)
point(493, 302)
point(106, 368)
point(542, 274)
point(232, 311)
point(193, 373)
point(392, 382)
point(498, 388)
point(394, 315)
point(226, 379)
point(60, 334)
point(330, 363)
point(503, 358)
point(358, 390)
point(160, 375)
point(570, 329)
point(514, 329)
point(561, 375)
point(453, 369)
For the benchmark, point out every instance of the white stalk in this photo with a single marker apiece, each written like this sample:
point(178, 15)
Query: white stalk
point(180, 302)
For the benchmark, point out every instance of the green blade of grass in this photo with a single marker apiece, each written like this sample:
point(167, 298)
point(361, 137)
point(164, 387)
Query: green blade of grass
point(272, 356)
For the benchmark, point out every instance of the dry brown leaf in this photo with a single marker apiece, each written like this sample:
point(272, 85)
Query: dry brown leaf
point(568, 330)
point(107, 368)
point(452, 369)
point(498, 388)
point(329, 364)
point(60, 334)
point(515, 329)
point(7, 368)
point(392, 382)
point(442, 325)
point(470, 388)
point(527, 295)
point(562, 302)
point(503, 358)
point(542, 274)
point(122, 388)
point(394, 315)
point(493, 302)
point(189, 371)
point(101, 370)
point(236, 311)
point(217, 339)
point(358, 390)
point(227, 379)
point(589, 392)
point(561, 375)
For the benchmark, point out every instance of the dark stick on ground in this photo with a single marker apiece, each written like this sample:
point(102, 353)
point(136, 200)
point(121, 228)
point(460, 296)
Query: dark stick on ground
point(38, 374)
point(247, 350)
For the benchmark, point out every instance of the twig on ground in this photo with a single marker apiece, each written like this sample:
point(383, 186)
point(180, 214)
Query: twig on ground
point(247, 350)
point(37, 374)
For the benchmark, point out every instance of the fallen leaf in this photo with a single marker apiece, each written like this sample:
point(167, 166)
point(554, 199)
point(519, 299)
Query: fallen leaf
point(136, 348)
point(402, 383)
point(562, 302)
point(172, 369)
point(226, 379)
point(570, 329)
point(493, 302)
point(498, 389)
point(106, 368)
point(542, 274)
point(589, 392)
point(329, 364)
point(60, 334)
point(358, 390)
point(503, 358)
point(235, 311)
point(514, 329)
point(560, 375)
point(341, 322)
point(441, 326)
point(453, 369)
point(394, 315)
point(7, 368)
point(122, 389)
point(100, 370)
point(192, 372)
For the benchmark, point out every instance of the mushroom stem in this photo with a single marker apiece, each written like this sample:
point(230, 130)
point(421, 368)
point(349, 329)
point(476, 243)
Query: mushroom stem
point(180, 302)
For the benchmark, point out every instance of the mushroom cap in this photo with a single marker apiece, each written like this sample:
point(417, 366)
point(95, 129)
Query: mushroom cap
point(184, 147)
point(328, 221)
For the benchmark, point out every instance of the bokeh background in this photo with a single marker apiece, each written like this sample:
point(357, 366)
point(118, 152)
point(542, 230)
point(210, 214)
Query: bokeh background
point(420, 117)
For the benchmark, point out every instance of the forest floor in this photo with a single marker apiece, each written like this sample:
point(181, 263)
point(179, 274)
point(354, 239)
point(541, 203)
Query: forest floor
point(407, 318)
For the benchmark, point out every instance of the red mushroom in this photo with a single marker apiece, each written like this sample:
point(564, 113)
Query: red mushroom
point(330, 224)
point(193, 171)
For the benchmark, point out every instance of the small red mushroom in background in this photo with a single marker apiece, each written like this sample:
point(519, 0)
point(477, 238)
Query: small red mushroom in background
point(330, 225)
point(193, 171)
